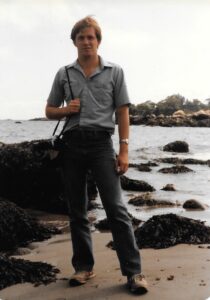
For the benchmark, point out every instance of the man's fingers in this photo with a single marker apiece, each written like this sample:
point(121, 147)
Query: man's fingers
point(121, 168)
point(74, 105)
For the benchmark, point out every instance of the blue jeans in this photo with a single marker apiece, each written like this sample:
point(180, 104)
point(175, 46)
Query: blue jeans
point(93, 150)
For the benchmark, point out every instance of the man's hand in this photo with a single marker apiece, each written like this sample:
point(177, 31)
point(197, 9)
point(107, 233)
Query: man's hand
point(58, 113)
point(73, 106)
point(123, 128)
point(122, 163)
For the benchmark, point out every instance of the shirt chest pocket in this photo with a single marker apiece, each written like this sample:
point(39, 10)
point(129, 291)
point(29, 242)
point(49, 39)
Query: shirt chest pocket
point(102, 91)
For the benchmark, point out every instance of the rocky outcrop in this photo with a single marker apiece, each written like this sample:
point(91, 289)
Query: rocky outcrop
point(184, 161)
point(175, 170)
point(164, 231)
point(179, 114)
point(31, 178)
point(178, 119)
point(193, 204)
point(143, 166)
point(177, 146)
point(18, 228)
point(135, 185)
point(103, 224)
point(147, 200)
point(201, 115)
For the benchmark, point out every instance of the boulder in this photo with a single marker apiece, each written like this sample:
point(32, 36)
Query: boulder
point(135, 185)
point(31, 178)
point(175, 170)
point(177, 146)
point(193, 204)
point(179, 113)
point(201, 115)
point(104, 223)
point(167, 230)
point(147, 200)
point(169, 187)
point(144, 168)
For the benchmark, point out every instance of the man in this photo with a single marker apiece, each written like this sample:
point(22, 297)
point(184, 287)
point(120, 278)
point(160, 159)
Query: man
point(99, 90)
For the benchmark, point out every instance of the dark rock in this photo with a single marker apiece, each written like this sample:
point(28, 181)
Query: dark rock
point(192, 161)
point(18, 228)
point(31, 178)
point(164, 231)
point(203, 123)
point(175, 170)
point(104, 224)
point(170, 160)
point(148, 164)
point(185, 161)
point(169, 187)
point(193, 204)
point(146, 200)
point(13, 271)
point(144, 168)
point(185, 120)
point(200, 116)
point(135, 120)
point(177, 146)
point(135, 185)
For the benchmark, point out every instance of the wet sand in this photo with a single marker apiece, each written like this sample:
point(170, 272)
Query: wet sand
point(177, 273)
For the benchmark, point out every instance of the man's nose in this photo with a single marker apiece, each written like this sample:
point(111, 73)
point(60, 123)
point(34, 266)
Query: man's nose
point(86, 41)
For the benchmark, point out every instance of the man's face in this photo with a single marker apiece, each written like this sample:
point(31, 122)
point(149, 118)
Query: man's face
point(86, 42)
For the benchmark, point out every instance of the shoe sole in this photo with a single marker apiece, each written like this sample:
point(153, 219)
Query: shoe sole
point(139, 291)
point(77, 282)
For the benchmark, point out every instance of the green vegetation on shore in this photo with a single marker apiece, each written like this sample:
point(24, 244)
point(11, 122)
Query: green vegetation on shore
point(168, 106)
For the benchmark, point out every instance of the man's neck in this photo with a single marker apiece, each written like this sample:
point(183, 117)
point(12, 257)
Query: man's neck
point(89, 62)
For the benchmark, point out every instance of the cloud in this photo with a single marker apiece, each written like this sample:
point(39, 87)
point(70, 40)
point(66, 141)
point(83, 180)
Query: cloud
point(163, 46)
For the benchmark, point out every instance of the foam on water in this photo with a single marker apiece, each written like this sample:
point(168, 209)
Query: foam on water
point(146, 143)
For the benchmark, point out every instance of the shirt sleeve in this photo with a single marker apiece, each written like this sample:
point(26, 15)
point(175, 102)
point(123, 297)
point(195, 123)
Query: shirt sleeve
point(56, 96)
point(121, 96)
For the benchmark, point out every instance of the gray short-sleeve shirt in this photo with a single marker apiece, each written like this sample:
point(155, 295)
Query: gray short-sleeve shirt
point(100, 94)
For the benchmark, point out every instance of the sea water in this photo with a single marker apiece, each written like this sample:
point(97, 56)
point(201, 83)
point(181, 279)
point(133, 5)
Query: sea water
point(146, 144)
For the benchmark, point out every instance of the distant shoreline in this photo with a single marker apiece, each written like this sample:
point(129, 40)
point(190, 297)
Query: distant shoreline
point(179, 118)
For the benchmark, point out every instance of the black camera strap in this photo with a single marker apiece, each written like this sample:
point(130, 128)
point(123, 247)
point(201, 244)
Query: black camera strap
point(72, 97)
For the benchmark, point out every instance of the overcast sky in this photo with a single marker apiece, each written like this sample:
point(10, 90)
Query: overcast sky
point(162, 45)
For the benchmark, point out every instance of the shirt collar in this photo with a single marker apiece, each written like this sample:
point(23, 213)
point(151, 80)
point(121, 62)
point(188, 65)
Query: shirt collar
point(104, 64)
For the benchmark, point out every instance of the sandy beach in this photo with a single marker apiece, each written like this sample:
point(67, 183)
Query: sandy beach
point(180, 272)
